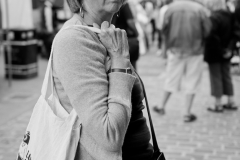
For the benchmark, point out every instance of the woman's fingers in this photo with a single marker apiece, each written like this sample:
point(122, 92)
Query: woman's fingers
point(114, 40)
point(96, 25)
point(124, 37)
point(112, 26)
point(104, 25)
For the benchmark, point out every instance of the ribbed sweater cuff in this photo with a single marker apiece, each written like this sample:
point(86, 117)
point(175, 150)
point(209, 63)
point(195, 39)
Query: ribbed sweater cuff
point(120, 88)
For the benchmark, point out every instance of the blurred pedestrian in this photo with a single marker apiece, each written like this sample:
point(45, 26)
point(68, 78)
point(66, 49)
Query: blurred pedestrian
point(139, 17)
point(236, 26)
point(218, 56)
point(153, 23)
point(185, 27)
point(157, 10)
point(151, 28)
point(159, 23)
point(124, 19)
point(44, 24)
point(231, 5)
point(143, 20)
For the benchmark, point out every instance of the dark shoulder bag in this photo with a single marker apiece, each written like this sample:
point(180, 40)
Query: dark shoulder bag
point(157, 155)
point(133, 44)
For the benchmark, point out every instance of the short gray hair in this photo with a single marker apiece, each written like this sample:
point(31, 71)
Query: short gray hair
point(75, 5)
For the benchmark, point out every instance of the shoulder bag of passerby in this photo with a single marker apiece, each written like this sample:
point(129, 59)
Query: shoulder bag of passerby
point(52, 132)
point(158, 155)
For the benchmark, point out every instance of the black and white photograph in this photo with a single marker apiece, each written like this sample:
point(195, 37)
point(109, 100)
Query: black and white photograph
point(119, 79)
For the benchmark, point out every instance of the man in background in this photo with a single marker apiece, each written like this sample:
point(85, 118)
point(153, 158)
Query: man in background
point(185, 27)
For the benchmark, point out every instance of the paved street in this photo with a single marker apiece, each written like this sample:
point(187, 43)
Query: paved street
point(211, 137)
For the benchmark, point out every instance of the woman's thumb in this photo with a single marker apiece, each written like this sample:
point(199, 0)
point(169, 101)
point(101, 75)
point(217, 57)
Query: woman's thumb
point(105, 25)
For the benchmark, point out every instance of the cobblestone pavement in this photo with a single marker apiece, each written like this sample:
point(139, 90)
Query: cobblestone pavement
point(211, 137)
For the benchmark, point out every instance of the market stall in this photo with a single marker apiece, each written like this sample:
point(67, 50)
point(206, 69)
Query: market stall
point(20, 43)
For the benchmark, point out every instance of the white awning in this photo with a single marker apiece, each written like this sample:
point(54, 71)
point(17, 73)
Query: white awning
point(19, 14)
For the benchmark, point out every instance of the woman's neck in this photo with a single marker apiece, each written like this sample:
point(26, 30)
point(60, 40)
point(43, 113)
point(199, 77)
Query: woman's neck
point(89, 18)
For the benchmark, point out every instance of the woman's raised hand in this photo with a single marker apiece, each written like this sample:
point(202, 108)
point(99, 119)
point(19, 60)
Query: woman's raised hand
point(116, 43)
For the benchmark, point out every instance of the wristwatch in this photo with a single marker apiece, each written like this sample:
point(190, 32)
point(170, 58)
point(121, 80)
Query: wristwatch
point(123, 70)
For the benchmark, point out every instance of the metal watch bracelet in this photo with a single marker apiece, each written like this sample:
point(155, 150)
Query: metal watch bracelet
point(123, 70)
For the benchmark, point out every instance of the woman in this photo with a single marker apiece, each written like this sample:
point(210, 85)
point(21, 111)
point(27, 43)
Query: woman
point(218, 57)
point(107, 100)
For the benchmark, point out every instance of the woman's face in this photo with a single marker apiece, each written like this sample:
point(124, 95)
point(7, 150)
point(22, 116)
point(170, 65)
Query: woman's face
point(108, 6)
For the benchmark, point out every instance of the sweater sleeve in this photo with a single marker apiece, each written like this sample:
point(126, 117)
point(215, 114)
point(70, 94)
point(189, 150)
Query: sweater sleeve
point(103, 102)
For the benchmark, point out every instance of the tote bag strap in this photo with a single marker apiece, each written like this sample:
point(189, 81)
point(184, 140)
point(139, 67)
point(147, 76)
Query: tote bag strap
point(48, 73)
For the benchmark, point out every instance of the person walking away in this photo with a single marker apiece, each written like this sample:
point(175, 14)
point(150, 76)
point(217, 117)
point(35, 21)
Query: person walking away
point(152, 16)
point(185, 27)
point(236, 28)
point(231, 5)
point(124, 19)
point(149, 8)
point(237, 21)
point(159, 22)
point(142, 21)
point(218, 56)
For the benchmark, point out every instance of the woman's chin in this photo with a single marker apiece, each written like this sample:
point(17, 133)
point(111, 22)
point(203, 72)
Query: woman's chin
point(115, 7)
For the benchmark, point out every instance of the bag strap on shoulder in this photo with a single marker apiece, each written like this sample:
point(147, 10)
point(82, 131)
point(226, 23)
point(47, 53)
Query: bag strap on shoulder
point(48, 73)
point(154, 139)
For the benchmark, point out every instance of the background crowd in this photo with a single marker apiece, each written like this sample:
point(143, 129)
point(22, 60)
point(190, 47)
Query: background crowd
point(188, 32)
point(207, 30)
point(193, 31)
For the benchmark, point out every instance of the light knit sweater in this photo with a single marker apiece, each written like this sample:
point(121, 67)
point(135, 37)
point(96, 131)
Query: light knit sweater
point(102, 101)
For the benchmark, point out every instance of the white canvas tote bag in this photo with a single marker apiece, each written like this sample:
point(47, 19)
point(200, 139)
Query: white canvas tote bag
point(52, 133)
